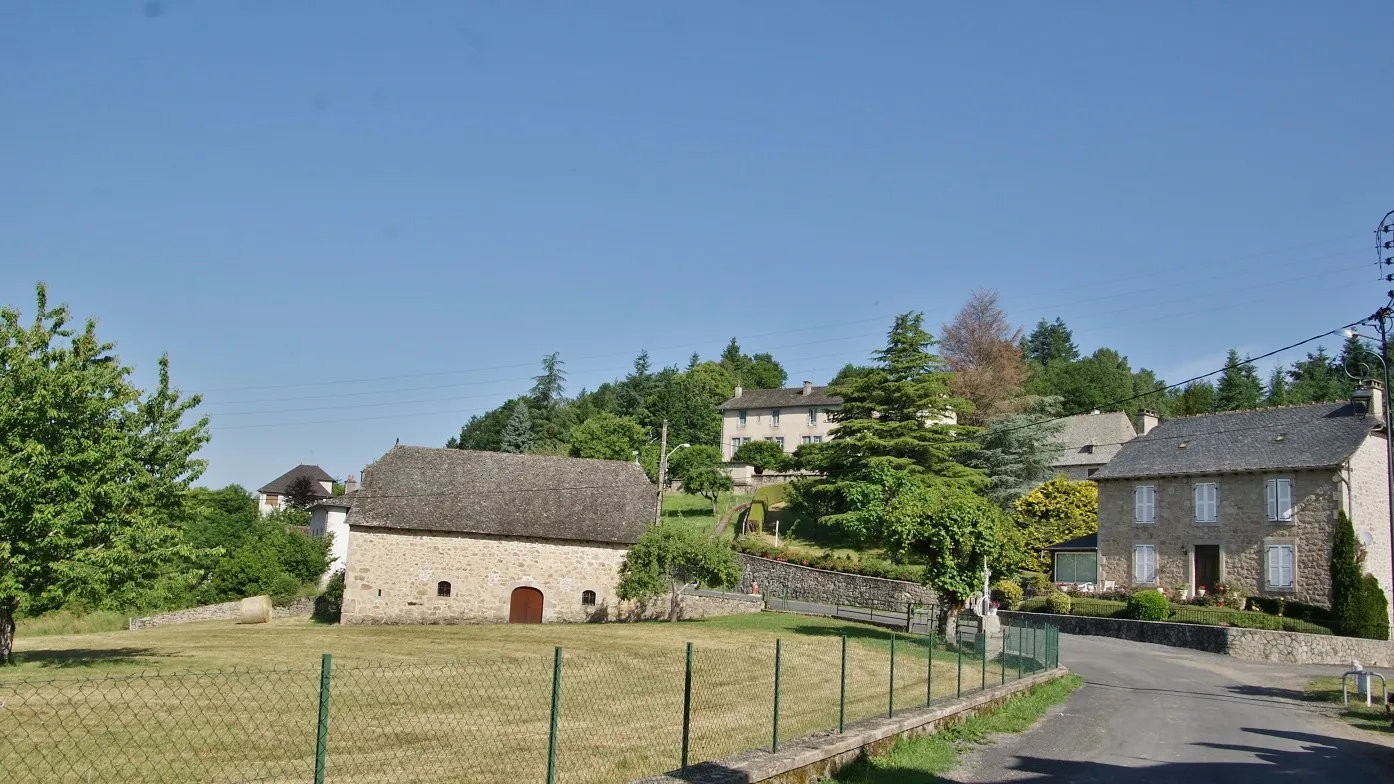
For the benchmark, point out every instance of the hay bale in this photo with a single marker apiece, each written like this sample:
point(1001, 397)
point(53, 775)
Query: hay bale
point(256, 609)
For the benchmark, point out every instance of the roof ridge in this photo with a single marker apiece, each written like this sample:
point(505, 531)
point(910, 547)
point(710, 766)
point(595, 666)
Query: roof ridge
point(1286, 407)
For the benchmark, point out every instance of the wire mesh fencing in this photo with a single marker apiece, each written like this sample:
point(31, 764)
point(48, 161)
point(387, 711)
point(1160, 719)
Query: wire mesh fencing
point(574, 719)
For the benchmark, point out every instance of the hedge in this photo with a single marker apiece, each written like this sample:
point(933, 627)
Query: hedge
point(866, 567)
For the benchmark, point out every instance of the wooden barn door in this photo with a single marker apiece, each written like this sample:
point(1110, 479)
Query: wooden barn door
point(525, 606)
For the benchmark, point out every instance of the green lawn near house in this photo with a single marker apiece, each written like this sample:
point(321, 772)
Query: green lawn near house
point(1185, 613)
point(1373, 718)
point(696, 512)
point(219, 701)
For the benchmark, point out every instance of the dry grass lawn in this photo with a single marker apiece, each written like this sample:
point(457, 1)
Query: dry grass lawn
point(220, 702)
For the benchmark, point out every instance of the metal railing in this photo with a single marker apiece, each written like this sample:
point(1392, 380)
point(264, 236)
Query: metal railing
point(558, 718)
point(1214, 616)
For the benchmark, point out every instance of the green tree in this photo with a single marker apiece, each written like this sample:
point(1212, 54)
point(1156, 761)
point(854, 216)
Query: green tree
point(607, 437)
point(517, 435)
point(1277, 393)
point(94, 474)
point(703, 473)
point(1347, 611)
point(1239, 388)
point(1356, 360)
point(668, 557)
point(848, 372)
point(763, 456)
point(549, 388)
point(634, 391)
point(1050, 342)
point(1055, 512)
point(1098, 381)
point(763, 372)
point(1374, 609)
point(302, 491)
point(1017, 452)
point(1197, 397)
point(1317, 379)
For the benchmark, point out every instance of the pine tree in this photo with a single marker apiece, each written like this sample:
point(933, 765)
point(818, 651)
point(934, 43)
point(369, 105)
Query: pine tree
point(1050, 342)
point(1278, 393)
point(1346, 599)
point(517, 434)
point(549, 389)
point(1197, 397)
point(1317, 379)
point(1239, 388)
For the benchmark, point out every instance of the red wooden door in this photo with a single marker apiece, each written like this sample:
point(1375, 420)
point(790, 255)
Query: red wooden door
point(525, 606)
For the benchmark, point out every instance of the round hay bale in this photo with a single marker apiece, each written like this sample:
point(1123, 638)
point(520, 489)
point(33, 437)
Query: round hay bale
point(256, 609)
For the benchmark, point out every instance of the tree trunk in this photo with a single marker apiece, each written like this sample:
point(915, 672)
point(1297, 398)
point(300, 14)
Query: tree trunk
point(7, 633)
point(673, 603)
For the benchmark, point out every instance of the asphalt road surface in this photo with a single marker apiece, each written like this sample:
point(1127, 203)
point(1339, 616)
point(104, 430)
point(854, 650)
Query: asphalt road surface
point(1149, 713)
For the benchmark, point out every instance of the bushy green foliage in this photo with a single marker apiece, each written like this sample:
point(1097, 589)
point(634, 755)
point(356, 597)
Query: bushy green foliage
point(1008, 594)
point(755, 516)
point(93, 473)
point(1374, 610)
point(763, 456)
point(1148, 606)
point(1239, 388)
point(864, 565)
point(954, 532)
point(270, 555)
point(1017, 451)
point(517, 436)
point(1347, 611)
point(1040, 582)
point(607, 436)
point(667, 557)
point(1058, 602)
point(330, 603)
point(1056, 511)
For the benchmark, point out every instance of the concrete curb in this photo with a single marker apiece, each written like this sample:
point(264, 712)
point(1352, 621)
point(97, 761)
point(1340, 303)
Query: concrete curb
point(822, 754)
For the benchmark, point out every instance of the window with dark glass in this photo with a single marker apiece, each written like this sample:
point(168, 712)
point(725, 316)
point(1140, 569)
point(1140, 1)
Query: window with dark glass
point(443, 588)
point(587, 598)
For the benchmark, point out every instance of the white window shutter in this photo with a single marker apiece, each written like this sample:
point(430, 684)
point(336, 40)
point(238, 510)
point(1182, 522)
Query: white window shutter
point(1273, 560)
point(1284, 499)
point(1272, 488)
point(1151, 564)
point(1137, 504)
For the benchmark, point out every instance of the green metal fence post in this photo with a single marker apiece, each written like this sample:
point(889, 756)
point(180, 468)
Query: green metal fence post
point(322, 733)
point(929, 668)
point(842, 691)
point(1002, 662)
point(958, 640)
point(556, 705)
point(982, 651)
point(890, 706)
point(686, 706)
point(1020, 635)
point(778, 652)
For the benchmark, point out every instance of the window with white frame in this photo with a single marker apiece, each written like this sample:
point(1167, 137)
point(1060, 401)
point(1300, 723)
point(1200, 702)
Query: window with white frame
point(774, 417)
point(1206, 504)
point(1144, 504)
point(817, 439)
point(779, 440)
point(740, 418)
point(1145, 563)
point(735, 444)
point(1279, 492)
point(805, 439)
point(1280, 572)
point(812, 417)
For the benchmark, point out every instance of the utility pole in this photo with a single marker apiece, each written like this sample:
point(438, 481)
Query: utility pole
point(662, 472)
point(1384, 241)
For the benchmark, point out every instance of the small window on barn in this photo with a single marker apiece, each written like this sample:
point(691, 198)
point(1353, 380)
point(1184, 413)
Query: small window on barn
point(587, 598)
point(443, 589)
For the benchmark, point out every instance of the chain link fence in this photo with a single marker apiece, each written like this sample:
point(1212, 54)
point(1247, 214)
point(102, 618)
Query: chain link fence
point(575, 719)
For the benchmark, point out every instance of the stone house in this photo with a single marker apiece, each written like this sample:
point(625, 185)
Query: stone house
point(329, 517)
point(789, 417)
point(456, 536)
point(1248, 499)
point(1088, 441)
point(269, 496)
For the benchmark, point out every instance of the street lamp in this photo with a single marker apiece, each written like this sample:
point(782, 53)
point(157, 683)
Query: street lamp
point(1383, 357)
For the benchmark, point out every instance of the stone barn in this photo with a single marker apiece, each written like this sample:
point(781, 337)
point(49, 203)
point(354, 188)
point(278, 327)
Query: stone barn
point(456, 536)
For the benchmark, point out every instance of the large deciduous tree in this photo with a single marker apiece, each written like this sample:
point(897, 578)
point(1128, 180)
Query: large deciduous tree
point(763, 456)
point(93, 473)
point(983, 350)
point(669, 556)
point(607, 437)
point(1057, 511)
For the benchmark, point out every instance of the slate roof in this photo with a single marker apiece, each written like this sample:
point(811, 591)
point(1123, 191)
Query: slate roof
point(282, 483)
point(344, 501)
point(428, 489)
point(1106, 432)
point(1321, 435)
point(1086, 542)
point(790, 398)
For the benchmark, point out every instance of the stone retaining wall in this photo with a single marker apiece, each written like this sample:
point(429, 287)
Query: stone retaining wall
point(692, 604)
point(226, 611)
point(807, 584)
point(1247, 644)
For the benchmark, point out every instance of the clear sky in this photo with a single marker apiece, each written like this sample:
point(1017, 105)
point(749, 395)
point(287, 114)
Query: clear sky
point(291, 197)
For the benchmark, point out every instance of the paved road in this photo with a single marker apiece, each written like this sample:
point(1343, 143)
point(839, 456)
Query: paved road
point(1150, 714)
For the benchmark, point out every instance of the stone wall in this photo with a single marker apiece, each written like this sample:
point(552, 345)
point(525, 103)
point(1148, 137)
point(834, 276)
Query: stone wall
point(393, 576)
point(226, 611)
point(1242, 531)
point(692, 604)
point(806, 584)
point(1248, 644)
point(1368, 506)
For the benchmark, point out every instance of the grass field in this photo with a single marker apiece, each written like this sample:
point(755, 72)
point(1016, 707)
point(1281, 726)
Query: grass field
point(452, 703)
point(1374, 718)
point(695, 511)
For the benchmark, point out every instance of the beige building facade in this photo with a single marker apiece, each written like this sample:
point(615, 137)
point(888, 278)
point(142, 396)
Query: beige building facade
point(1245, 499)
point(789, 417)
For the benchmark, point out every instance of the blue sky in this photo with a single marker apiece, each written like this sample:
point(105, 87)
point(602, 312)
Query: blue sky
point(289, 196)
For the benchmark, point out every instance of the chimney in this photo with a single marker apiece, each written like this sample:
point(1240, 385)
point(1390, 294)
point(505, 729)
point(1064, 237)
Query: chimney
point(1146, 420)
point(738, 390)
point(350, 484)
point(807, 388)
point(1368, 399)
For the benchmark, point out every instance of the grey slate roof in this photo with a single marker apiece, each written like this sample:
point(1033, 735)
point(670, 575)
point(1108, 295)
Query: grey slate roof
point(344, 501)
point(429, 489)
point(1105, 432)
point(790, 398)
point(1321, 435)
point(1086, 542)
point(281, 483)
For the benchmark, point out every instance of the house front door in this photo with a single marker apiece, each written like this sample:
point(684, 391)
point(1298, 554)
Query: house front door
point(525, 606)
point(1207, 566)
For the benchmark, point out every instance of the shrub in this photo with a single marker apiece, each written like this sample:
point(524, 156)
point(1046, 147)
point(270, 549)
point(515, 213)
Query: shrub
point(1040, 583)
point(1058, 603)
point(1148, 606)
point(1374, 611)
point(1007, 594)
point(763, 456)
point(755, 516)
point(330, 603)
